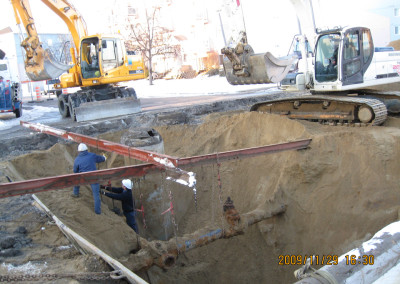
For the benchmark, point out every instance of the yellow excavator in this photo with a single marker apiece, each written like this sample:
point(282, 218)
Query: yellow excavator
point(99, 63)
point(350, 81)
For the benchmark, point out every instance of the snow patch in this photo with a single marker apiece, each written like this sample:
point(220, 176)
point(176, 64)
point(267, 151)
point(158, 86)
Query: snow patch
point(371, 245)
point(9, 121)
point(163, 161)
point(190, 182)
point(390, 229)
point(26, 268)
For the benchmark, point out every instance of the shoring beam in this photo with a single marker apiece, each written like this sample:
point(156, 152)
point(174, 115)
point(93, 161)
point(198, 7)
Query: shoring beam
point(244, 153)
point(63, 181)
point(160, 159)
point(135, 153)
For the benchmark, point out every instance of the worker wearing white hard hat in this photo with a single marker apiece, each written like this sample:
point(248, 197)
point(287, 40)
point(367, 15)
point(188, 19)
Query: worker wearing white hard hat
point(86, 162)
point(82, 147)
point(124, 194)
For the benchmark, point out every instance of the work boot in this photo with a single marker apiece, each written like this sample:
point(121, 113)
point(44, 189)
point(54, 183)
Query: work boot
point(75, 195)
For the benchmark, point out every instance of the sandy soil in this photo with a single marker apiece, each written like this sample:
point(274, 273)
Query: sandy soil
point(339, 192)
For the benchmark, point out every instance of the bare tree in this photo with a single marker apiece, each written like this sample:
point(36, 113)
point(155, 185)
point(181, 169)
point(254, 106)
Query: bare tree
point(151, 39)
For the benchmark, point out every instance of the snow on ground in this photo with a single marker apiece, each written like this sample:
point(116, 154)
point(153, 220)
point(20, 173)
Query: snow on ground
point(199, 86)
point(29, 113)
point(28, 267)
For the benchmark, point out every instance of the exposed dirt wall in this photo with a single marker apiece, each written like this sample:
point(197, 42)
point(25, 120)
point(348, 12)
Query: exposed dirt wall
point(341, 190)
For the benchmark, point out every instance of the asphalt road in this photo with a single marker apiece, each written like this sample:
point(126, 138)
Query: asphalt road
point(46, 111)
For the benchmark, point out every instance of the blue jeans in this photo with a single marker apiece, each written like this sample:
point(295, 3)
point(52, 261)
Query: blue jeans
point(96, 196)
point(130, 220)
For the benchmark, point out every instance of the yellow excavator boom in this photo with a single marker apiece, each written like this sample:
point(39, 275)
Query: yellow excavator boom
point(99, 63)
point(39, 63)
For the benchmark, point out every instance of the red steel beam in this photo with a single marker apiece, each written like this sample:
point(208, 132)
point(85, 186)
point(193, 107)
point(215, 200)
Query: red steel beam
point(135, 153)
point(63, 181)
point(243, 153)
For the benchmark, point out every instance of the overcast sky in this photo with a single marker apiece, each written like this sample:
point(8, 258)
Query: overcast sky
point(270, 23)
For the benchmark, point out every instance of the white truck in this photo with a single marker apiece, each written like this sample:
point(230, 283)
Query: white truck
point(10, 99)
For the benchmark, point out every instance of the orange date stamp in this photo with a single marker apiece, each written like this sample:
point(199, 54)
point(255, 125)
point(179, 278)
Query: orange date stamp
point(293, 259)
point(359, 259)
point(328, 259)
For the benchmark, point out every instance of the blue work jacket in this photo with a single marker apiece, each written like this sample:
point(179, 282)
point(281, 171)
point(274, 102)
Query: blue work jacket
point(86, 162)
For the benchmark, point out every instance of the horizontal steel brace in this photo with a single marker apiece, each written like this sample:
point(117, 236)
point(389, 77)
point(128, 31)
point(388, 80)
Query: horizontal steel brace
point(135, 153)
point(63, 181)
point(243, 153)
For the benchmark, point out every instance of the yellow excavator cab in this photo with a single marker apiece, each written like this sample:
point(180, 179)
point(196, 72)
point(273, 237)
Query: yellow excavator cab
point(99, 62)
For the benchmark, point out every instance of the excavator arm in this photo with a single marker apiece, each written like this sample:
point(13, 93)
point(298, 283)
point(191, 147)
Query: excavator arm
point(243, 66)
point(39, 63)
point(99, 64)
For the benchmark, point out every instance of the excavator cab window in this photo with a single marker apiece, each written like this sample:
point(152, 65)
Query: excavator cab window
point(367, 46)
point(356, 54)
point(326, 58)
point(109, 56)
point(112, 53)
point(351, 54)
point(90, 58)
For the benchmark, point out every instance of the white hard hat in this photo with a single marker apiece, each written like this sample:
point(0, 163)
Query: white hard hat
point(127, 183)
point(82, 147)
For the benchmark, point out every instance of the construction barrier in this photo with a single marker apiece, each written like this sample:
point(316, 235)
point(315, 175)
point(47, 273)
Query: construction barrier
point(38, 94)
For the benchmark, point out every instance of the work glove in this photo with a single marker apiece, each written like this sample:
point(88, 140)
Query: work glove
point(106, 187)
point(102, 192)
point(105, 157)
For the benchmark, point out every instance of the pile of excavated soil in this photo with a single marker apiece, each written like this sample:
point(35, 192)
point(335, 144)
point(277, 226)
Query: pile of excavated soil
point(338, 192)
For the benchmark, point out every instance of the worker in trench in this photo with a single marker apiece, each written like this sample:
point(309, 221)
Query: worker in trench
point(86, 162)
point(124, 194)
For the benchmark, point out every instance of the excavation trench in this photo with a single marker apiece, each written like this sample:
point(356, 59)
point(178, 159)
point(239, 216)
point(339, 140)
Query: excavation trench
point(323, 200)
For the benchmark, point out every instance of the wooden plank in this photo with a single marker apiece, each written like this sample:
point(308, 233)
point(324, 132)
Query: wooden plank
point(84, 246)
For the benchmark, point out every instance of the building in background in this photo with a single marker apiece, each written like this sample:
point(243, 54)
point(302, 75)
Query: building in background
point(191, 27)
point(390, 9)
point(201, 28)
point(10, 43)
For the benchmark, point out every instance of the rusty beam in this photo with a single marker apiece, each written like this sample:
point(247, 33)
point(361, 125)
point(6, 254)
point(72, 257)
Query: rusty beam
point(63, 181)
point(135, 153)
point(160, 159)
point(244, 153)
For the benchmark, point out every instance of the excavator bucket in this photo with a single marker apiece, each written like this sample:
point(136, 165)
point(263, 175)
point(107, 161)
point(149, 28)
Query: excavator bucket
point(107, 108)
point(46, 67)
point(261, 68)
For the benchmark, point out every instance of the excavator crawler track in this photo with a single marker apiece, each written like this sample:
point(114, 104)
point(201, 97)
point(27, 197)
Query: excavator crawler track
point(331, 109)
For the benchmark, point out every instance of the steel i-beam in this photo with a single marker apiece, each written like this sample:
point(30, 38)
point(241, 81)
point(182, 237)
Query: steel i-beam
point(135, 153)
point(58, 182)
